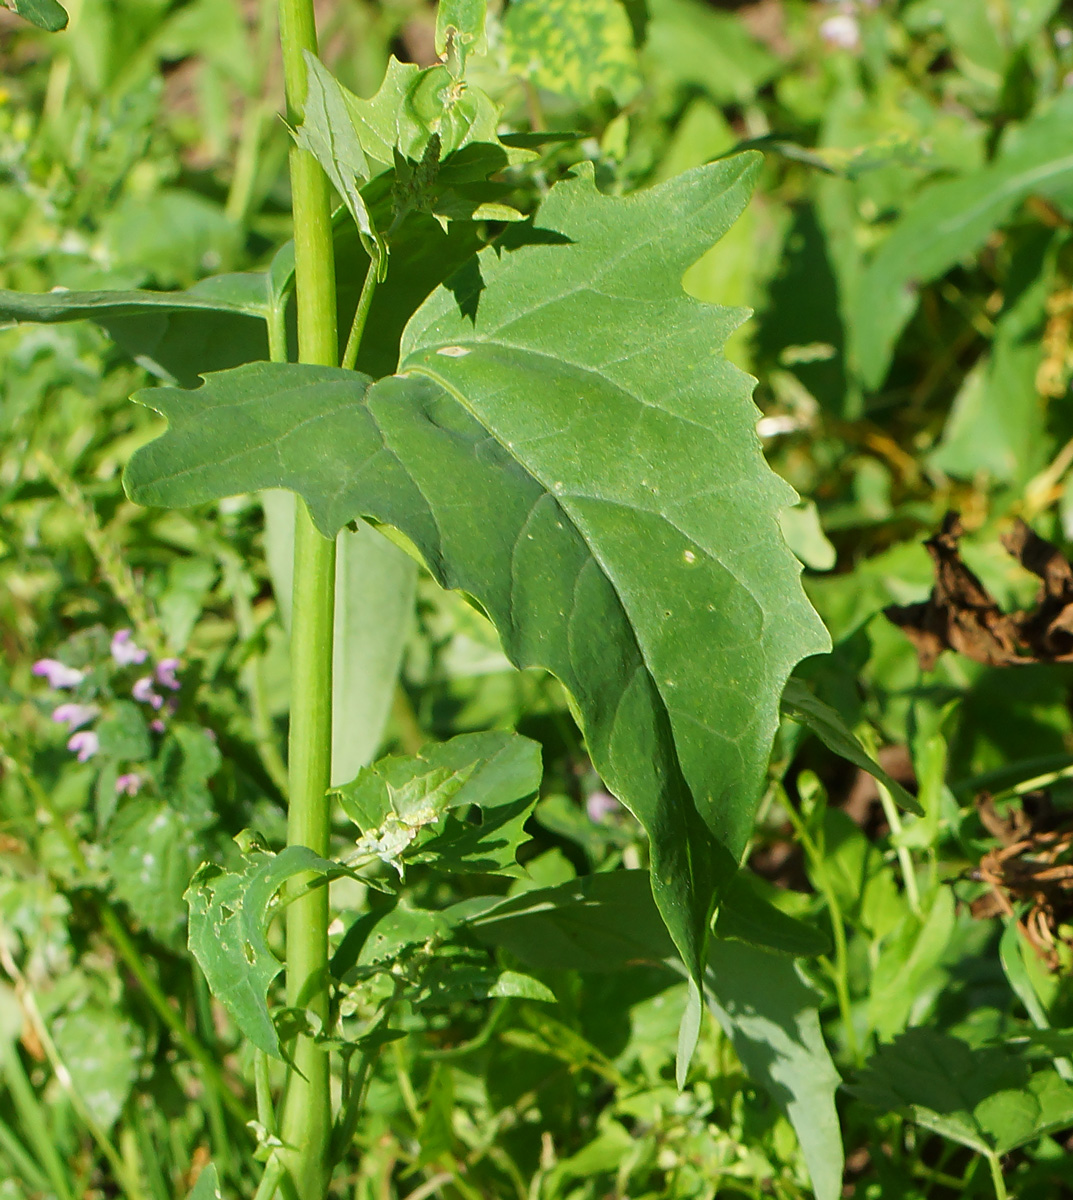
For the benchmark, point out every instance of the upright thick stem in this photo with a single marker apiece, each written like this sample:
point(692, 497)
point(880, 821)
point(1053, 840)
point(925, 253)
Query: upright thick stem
point(306, 1122)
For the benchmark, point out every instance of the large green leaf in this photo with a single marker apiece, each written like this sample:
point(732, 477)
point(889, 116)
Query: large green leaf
point(950, 221)
point(216, 324)
point(985, 1098)
point(565, 443)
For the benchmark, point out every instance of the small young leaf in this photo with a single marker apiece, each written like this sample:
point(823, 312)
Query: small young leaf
point(229, 918)
point(515, 985)
point(488, 848)
point(800, 705)
point(396, 930)
point(45, 14)
point(485, 769)
point(466, 18)
point(413, 104)
point(327, 133)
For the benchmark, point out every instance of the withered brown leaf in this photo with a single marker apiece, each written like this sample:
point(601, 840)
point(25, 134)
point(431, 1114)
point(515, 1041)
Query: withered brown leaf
point(961, 615)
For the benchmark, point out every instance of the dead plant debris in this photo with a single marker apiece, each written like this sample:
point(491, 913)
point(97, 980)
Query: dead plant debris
point(961, 615)
point(1033, 866)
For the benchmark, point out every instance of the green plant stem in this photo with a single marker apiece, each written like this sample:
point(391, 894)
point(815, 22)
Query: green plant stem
point(995, 1163)
point(894, 820)
point(839, 969)
point(270, 1180)
point(361, 314)
point(266, 1115)
point(305, 1127)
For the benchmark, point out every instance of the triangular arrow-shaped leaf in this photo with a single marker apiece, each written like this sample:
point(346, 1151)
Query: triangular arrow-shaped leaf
point(565, 443)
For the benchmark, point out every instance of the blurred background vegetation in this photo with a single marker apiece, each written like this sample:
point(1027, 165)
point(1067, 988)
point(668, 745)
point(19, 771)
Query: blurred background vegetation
point(907, 260)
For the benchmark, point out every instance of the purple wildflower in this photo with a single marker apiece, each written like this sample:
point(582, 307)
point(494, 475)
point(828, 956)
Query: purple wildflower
point(59, 675)
point(74, 716)
point(85, 743)
point(128, 785)
point(841, 32)
point(600, 804)
point(157, 726)
point(125, 651)
point(165, 673)
point(142, 691)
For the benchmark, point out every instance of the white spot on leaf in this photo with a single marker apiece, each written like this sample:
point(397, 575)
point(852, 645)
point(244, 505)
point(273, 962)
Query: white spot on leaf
point(453, 351)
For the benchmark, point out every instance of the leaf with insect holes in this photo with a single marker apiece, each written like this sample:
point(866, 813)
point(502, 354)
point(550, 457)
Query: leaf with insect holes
point(229, 917)
point(565, 442)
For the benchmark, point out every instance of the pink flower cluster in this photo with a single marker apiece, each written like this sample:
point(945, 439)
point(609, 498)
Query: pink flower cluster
point(125, 652)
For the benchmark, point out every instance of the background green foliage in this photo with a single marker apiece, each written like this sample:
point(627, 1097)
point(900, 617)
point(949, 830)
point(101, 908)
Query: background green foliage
point(907, 259)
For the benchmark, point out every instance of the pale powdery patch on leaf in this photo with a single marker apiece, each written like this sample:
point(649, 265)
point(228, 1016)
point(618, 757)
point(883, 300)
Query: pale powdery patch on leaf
point(387, 843)
point(74, 716)
point(125, 651)
point(59, 675)
point(85, 744)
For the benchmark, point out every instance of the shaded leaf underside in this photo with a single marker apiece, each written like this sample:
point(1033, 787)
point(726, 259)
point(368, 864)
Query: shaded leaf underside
point(566, 444)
